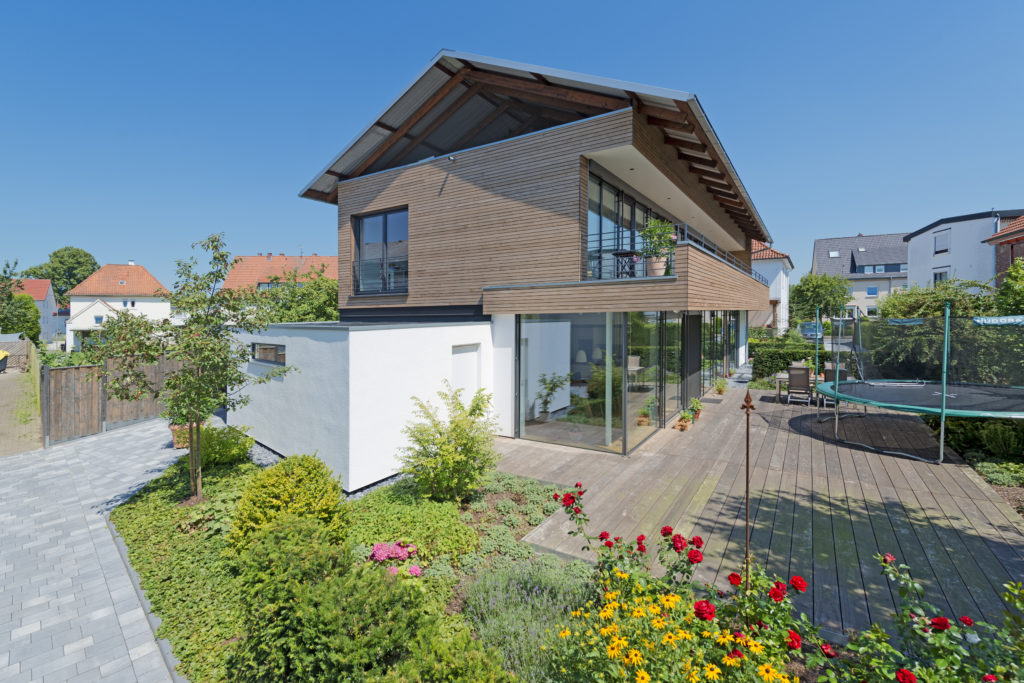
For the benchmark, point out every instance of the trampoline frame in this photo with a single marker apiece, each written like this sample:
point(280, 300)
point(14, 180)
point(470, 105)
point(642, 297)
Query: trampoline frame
point(942, 411)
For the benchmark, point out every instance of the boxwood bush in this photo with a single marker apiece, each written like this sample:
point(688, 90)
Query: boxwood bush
point(224, 445)
point(299, 484)
point(771, 357)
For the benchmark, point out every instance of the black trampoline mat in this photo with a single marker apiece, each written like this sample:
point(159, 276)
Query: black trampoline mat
point(964, 400)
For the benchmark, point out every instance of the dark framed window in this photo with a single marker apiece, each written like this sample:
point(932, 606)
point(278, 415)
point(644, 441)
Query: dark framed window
point(939, 276)
point(942, 242)
point(268, 353)
point(381, 263)
point(872, 291)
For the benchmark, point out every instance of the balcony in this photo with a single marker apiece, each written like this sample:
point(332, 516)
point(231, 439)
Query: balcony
point(621, 258)
point(380, 276)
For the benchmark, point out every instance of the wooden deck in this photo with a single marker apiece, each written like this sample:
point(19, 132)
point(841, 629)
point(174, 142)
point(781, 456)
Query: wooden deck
point(818, 509)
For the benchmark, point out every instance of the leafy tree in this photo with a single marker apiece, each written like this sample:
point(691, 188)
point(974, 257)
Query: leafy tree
point(830, 292)
point(8, 288)
point(66, 268)
point(202, 340)
point(1010, 294)
point(21, 315)
point(307, 297)
point(965, 297)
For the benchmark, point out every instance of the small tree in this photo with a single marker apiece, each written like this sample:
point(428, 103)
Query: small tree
point(21, 315)
point(1010, 294)
point(202, 339)
point(830, 292)
point(965, 297)
point(302, 297)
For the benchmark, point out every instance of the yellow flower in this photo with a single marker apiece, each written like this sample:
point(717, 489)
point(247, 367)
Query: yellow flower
point(642, 677)
point(609, 629)
point(654, 609)
point(611, 595)
point(565, 633)
point(576, 612)
point(613, 652)
point(684, 635)
point(766, 672)
point(755, 647)
point(693, 676)
point(658, 623)
point(706, 633)
point(619, 641)
point(669, 639)
point(639, 613)
point(670, 601)
point(634, 658)
point(730, 661)
point(711, 672)
point(723, 638)
point(621, 575)
point(606, 613)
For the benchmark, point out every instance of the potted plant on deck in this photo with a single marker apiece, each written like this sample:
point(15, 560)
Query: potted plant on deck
point(695, 407)
point(549, 384)
point(684, 421)
point(659, 238)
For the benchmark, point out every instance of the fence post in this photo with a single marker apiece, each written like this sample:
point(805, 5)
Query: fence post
point(44, 403)
point(103, 397)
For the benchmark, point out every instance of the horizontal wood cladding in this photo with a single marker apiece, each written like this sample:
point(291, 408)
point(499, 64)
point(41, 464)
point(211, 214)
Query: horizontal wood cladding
point(701, 282)
point(507, 213)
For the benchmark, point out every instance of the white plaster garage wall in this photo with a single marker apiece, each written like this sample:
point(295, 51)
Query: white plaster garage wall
point(306, 411)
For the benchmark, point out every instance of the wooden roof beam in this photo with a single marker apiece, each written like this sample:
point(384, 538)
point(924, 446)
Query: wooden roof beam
point(686, 144)
point(552, 102)
point(731, 202)
point(437, 122)
point(706, 172)
point(487, 120)
point(670, 125)
point(666, 115)
point(604, 102)
point(711, 182)
point(412, 120)
point(693, 159)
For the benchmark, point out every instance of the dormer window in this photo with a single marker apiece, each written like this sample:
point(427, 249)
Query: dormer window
point(121, 282)
point(833, 253)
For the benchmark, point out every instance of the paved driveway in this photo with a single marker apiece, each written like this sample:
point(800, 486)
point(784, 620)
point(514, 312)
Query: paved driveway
point(68, 610)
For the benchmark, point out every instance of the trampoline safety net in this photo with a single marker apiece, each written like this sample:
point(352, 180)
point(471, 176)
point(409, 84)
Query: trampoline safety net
point(905, 363)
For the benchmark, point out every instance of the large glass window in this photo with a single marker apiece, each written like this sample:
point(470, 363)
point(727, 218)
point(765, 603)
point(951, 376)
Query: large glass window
point(614, 219)
point(381, 261)
point(643, 377)
point(571, 376)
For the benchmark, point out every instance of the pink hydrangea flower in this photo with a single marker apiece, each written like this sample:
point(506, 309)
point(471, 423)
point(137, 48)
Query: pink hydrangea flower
point(415, 570)
point(393, 571)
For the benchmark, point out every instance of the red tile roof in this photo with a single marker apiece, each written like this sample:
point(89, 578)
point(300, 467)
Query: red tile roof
point(250, 271)
point(119, 280)
point(760, 250)
point(37, 289)
point(1013, 230)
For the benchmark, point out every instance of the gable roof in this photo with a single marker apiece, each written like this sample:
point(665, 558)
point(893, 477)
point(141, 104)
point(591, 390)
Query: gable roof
point(87, 311)
point(759, 251)
point(1005, 213)
point(107, 281)
point(35, 288)
point(463, 100)
point(1011, 231)
point(249, 271)
point(878, 249)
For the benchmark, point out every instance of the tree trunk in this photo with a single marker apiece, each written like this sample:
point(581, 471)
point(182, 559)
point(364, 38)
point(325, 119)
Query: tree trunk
point(199, 464)
point(193, 445)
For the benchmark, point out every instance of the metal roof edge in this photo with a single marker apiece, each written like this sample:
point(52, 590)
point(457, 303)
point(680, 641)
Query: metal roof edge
point(1008, 213)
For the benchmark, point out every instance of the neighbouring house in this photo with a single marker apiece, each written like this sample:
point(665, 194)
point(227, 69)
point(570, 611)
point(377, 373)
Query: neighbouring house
point(957, 247)
point(113, 288)
point(875, 265)
point(1009, 245)
point(775, 267)
point(41, 292)
point(260, 270)
point(490, 235)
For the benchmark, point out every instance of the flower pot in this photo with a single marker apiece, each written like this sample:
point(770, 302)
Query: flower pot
point(684, 425)
point(696, 415)
point(643, 421)
point(179, 433)
point(543, 416)
point(656, 265)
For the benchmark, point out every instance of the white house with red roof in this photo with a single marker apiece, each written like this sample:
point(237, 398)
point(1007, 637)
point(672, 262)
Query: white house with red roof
point(113, 288)
point(775, 267)
point(41, 292)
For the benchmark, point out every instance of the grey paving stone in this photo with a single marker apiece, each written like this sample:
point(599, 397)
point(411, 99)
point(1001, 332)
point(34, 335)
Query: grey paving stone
point(68, 609)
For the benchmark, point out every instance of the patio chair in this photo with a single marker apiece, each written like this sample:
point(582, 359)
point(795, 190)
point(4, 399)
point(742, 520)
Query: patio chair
point(633, 369)
point(799, 385)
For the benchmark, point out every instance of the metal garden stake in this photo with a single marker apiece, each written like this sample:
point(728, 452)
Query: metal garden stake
point(748, 405)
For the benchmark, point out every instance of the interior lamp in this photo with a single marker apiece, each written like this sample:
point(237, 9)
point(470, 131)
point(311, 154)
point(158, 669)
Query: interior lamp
point(598, 355)
point(581, 356)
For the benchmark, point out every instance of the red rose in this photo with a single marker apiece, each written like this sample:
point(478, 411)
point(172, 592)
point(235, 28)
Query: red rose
point(904, 676)
point(555, 496)
point(703, 609)
point(940, 623)
point(736, 654)
point(695, 557)
point(889, 558)
point(697, 541)
point(990, 677)
point(827, 650)
point(577, 510)
point(568, 499)
point(798, 583)
point(678, 542)
point(776, 594)
point(793, 642)
point(666, 531)
point(579, 485)
point(735, 579)
point(609, 544)
point(618, 538)
point(641, 538)
point(967, 621)
point(641, 547)
point(604, 535)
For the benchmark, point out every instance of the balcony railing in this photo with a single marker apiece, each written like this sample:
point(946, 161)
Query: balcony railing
point(618, 256)
point(380, 276)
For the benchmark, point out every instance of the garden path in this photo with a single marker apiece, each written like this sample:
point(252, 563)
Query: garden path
point(68, 608)
point(818, 509)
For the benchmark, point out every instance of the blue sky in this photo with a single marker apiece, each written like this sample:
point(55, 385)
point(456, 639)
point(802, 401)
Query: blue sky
point(134, 129)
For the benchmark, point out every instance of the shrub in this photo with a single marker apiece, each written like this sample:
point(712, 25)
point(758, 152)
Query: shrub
point(515, 608)
point(1001, 441)
point(450, 455)
point(224, 445)
point(312, 617)
point(721, 384)
point(301, 485)
point(440, 658)
point(499, 539)
point(396, 514)
point(1001, 473)
point(773, 357)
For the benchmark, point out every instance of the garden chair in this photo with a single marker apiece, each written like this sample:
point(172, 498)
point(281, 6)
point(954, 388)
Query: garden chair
point(633, 369)
point(799, 385)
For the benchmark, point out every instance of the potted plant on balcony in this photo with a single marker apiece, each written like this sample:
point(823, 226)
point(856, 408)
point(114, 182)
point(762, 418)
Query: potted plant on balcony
point(659, 238)
point(695, 407)
point(549, 384)
point(684, 421)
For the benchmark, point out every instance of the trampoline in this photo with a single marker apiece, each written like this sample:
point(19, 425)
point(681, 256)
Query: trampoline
point(946, 367)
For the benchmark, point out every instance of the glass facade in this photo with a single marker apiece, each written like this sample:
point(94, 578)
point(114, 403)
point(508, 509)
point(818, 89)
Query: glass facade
point(608, 381)
point(614, 221)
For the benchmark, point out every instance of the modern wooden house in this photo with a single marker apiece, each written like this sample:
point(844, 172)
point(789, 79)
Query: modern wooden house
point(515, 196)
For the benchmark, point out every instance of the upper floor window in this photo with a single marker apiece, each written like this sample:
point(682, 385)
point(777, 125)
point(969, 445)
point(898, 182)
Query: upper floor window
point(942, 242)
point(268, 353)
point(872, 291)
point(381, 261)
point(833, 253)
point(939, 275)
point(614, 243)
point(98, 319)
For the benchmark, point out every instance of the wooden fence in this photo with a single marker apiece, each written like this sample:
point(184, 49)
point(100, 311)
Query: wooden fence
point(74, 401)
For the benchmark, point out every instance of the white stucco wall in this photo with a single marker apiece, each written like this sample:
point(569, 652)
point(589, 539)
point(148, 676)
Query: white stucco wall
point(968, 258)
point(503, 335)
point(775, 271)
point(152, 307)
point(885, 285)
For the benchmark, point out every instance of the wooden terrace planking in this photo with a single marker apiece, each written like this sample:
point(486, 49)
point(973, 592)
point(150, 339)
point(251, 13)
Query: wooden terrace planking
point(818, 508)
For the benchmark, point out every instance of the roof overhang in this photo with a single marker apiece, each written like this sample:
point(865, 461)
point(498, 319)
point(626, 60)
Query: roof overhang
point(463, 100)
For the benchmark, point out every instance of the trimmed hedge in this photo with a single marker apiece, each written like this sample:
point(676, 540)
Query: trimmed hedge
point(769, 358)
